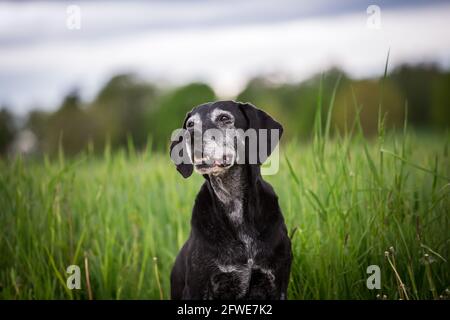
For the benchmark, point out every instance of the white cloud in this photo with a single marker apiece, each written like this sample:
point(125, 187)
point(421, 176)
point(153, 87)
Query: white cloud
point(225, 56)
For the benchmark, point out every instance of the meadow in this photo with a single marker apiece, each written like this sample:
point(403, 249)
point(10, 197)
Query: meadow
point(349, 202)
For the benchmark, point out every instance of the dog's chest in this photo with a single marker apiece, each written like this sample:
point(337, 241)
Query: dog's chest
point(240, 279)
point(240, 263)
point(240, 260)
point(244, 243)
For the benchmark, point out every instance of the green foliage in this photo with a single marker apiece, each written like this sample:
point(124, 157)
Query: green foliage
point(70, 128)
point(172, 109)
point(367, 93)
point(440, 103)
point(7, 130)
point(423, 88)
point(129, 109)
point(120, 110)
point(128, 214)
point(125, 110)
point(294, 105)
point(348, 202)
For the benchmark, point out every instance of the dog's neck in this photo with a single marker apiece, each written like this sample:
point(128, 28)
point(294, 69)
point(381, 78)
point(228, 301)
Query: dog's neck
point(230, 187)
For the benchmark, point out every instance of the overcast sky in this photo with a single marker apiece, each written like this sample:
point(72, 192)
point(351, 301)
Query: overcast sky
point(223, 43)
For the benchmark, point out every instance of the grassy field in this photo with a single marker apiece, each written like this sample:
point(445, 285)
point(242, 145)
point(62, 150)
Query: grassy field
point(348, 202)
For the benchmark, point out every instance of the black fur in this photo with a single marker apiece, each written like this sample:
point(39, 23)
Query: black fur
point(214, 239)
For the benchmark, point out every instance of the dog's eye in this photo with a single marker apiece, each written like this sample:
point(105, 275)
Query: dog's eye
point(224, 118)
point(190, 124)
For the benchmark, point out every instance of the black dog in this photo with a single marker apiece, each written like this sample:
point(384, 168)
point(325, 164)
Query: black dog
point(238, 247)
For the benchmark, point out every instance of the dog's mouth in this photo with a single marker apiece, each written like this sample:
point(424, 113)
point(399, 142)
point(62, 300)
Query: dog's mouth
point(208, 164)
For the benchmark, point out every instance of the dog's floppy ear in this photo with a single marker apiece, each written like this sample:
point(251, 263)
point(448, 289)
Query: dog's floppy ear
point(258, 119)
point(178, 148)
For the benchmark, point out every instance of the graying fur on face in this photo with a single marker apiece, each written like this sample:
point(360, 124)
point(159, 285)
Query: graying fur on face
point(218, 111)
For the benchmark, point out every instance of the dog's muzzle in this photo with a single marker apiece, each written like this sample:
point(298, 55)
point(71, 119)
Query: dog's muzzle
point(213, 157)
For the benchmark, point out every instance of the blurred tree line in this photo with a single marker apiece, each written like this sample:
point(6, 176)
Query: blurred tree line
point(128, 108)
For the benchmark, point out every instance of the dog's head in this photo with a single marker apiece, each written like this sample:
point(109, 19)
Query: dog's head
point(217, 135)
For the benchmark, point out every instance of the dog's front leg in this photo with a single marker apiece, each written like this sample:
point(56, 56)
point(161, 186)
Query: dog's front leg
point(197, 281)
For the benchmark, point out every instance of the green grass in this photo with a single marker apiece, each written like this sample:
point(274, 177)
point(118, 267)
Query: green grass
point(346, 200)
